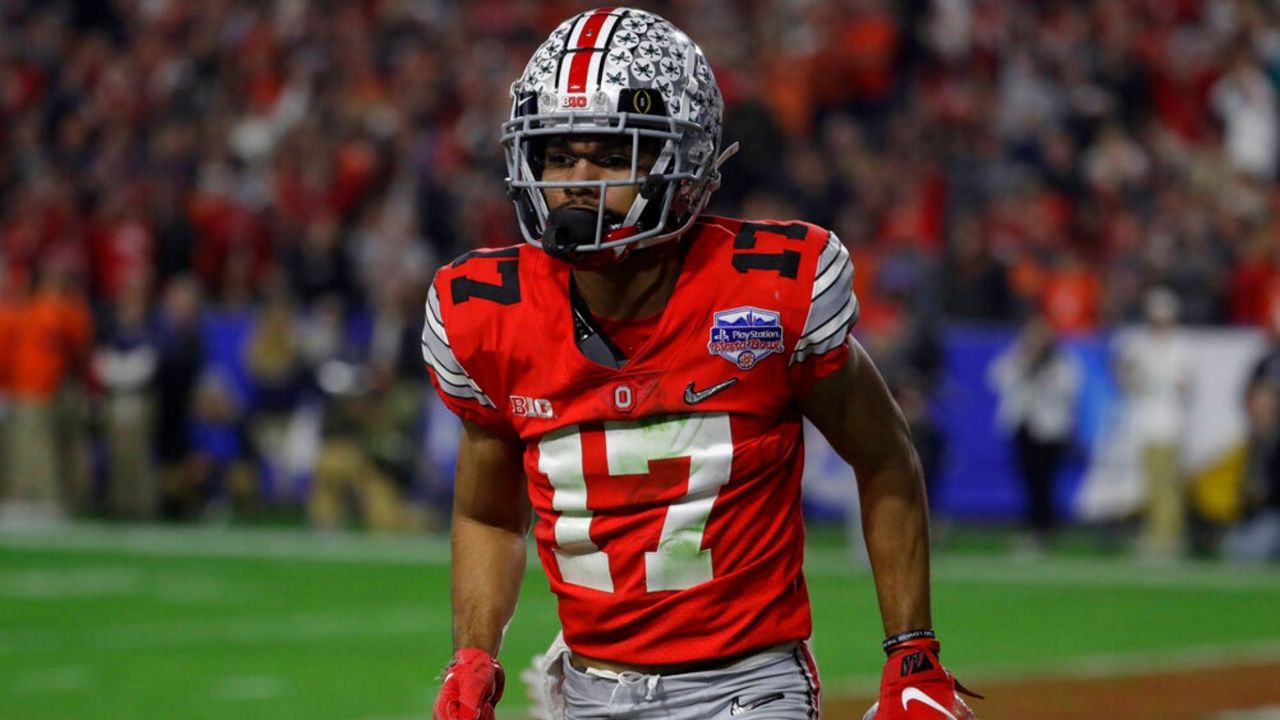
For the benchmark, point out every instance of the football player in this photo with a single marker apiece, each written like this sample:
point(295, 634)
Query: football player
point(637, 373)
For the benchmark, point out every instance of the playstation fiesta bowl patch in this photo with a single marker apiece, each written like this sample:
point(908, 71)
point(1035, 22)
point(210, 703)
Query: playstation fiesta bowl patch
point(744, 336)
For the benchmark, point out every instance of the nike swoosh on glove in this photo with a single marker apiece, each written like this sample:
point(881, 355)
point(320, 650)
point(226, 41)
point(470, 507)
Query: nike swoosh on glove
point(915, 686)
point(473, 683)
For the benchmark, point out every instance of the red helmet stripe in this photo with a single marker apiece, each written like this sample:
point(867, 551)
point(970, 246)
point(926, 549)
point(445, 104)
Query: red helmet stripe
point(590, 36)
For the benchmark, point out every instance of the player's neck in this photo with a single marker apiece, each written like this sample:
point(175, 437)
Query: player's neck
point(638, 287)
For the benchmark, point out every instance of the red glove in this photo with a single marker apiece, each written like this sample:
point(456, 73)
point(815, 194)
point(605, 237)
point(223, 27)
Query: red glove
point(473, 683)
point(915, 686)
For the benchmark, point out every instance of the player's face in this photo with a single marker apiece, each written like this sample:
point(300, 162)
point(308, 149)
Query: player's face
point(593, 157)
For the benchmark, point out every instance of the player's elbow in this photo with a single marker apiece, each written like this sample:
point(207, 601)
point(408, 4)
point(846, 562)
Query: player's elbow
point(895, 470)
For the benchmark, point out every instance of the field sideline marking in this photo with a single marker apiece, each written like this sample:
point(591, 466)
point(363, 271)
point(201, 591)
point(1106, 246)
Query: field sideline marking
point(303, 545)
point(250, 544)
point(418, 619)
point(58, 583)
point(51, 679)
point(238, 688)
point(1074, 571)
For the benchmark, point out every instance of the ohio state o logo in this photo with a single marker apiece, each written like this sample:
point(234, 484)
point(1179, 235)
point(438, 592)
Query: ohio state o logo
point(624, 398)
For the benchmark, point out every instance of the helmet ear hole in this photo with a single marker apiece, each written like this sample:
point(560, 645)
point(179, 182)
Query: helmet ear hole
point(652, 213)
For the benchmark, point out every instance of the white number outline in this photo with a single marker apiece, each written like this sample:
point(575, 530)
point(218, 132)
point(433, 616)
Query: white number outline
point(680, 562)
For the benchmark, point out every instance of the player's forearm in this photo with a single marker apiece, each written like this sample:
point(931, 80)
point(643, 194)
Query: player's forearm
point(895, 525)
point(488, 565)
point(856, 413)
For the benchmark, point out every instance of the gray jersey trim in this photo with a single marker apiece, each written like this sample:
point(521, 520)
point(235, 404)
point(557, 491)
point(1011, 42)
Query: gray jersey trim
point(454, 379)
point(833, 307)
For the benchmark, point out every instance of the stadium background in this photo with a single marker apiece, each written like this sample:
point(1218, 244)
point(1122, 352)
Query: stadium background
point(254, 195)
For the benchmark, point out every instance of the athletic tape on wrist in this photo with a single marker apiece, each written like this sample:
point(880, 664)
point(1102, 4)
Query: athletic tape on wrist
point(892, 642)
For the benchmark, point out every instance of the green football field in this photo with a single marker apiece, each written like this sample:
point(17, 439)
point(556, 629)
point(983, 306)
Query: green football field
point(110, 622)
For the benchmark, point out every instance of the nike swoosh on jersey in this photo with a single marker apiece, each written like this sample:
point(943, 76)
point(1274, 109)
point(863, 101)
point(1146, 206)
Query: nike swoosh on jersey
point(913, 694)
point(693, 397)
point(738, 707)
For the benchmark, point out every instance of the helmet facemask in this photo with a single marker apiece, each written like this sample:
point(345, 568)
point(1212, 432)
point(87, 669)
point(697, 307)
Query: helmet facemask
point(677, 111)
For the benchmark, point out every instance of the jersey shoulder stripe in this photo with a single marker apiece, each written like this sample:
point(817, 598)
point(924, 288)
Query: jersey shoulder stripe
point(436, 351)
point(833, 307)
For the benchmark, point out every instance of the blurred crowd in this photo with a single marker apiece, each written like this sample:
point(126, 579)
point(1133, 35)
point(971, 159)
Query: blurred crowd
point(218, 219)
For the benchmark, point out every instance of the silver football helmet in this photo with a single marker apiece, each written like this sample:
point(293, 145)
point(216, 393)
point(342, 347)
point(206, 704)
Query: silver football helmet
point(624, 72)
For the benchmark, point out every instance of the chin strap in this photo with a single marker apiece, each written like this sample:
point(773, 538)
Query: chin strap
point(567, 229)
point(726, 154)
point(721, 160)
point(649, 189)
point(571, 228)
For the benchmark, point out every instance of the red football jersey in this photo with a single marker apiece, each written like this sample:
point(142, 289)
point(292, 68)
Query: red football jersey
point(668, 491)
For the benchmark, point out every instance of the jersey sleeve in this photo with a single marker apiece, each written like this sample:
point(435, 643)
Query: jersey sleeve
point(833, 309)
point(457, 387)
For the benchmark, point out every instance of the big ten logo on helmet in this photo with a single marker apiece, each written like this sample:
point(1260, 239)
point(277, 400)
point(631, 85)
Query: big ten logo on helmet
point(574, 102)
point(531, 407)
